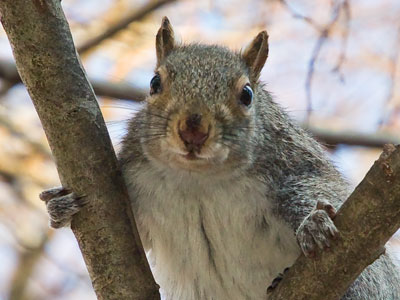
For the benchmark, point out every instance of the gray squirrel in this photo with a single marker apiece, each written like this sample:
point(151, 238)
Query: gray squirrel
point(226, 191)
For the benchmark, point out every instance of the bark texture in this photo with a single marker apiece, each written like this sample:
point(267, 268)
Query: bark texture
point(48, 65)
point(366, 221)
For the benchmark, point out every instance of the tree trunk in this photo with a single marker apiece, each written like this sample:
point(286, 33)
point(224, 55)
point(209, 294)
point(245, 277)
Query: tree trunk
point(48, 65)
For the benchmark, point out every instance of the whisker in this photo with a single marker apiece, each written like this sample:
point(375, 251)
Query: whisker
point(116, 122)
point(235, 151)
point(157, 115)
point(119, 106)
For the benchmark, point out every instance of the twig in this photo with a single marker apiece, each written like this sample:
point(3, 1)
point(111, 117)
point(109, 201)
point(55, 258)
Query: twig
point(299, 16)
point(345, 38)
point(324, 33)
point(122, 24)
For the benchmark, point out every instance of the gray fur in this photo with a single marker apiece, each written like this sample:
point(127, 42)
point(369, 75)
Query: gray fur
point(270, 186)
point(227, 230)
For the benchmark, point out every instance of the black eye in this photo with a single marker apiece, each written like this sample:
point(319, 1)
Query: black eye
point(155, 84)
point(246, 97)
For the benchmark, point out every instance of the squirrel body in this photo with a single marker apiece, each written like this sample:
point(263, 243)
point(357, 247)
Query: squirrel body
point(208, 237)
point(226, 190)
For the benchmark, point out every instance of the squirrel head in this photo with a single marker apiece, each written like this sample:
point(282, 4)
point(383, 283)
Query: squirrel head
point(200, 115)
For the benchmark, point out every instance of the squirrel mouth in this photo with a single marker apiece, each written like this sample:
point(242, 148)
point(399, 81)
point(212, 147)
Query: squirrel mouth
point(191, 156)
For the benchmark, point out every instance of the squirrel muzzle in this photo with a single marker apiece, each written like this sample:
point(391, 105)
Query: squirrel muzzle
point(193, 132)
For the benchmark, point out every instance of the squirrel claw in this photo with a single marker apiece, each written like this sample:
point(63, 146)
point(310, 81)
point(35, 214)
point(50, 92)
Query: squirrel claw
point(276, 281)
point(49, 194)
point(61, 205)
point(317, 230)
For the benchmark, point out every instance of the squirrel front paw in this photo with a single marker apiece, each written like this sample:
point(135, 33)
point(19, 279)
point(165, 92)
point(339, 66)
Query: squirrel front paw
point(317, 229)
point(61, 205)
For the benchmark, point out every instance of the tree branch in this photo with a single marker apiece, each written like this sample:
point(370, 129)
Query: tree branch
point(8, 72)
point(331, 138)
point(122, 24)
point(48, 65)
point(366, 221)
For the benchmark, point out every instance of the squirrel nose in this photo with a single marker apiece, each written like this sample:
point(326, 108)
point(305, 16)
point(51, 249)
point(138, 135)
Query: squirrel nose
point(192, 136)
point(193, 121)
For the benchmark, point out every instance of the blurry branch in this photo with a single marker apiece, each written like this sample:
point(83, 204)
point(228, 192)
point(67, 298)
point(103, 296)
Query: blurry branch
point(23, 164)
point(122, 24)
point(125, 92)
point(394, 63)
point(34, 145)
point(323, 36)
point(394, 60)
point(10, 76)
point(16, 168)
point(332, 138)
point(28, 259)
point(363, 234)
point(345, 37)
point(338, 7)
point(105, 229)
point(8, 72)
point(118, 90)
point(299, 16)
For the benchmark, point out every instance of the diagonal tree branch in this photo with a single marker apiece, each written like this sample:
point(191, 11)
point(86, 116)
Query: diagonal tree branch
point(366, 221)
point(48, 65)
point(122, 24)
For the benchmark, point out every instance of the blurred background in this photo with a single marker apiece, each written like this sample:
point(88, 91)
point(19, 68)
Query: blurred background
point(333, 65)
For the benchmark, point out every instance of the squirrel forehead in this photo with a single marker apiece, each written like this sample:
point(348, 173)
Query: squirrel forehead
point(204, 65)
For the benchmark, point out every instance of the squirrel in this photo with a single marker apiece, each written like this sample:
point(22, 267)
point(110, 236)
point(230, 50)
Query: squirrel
point(226, 190)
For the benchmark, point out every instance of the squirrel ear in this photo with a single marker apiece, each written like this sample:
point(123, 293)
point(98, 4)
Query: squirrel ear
point(256, 54)
point(165, 41)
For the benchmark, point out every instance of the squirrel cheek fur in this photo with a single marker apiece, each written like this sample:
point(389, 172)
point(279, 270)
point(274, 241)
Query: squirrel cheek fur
point(226, 191)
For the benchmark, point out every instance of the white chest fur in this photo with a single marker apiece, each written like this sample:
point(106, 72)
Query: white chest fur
point(209, 238)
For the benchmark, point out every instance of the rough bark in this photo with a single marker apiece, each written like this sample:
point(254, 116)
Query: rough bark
point(47, 62)
point(366, 221)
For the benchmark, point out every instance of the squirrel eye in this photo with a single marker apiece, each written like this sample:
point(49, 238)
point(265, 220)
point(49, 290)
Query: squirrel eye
point(155, 84)
point(246, 97)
